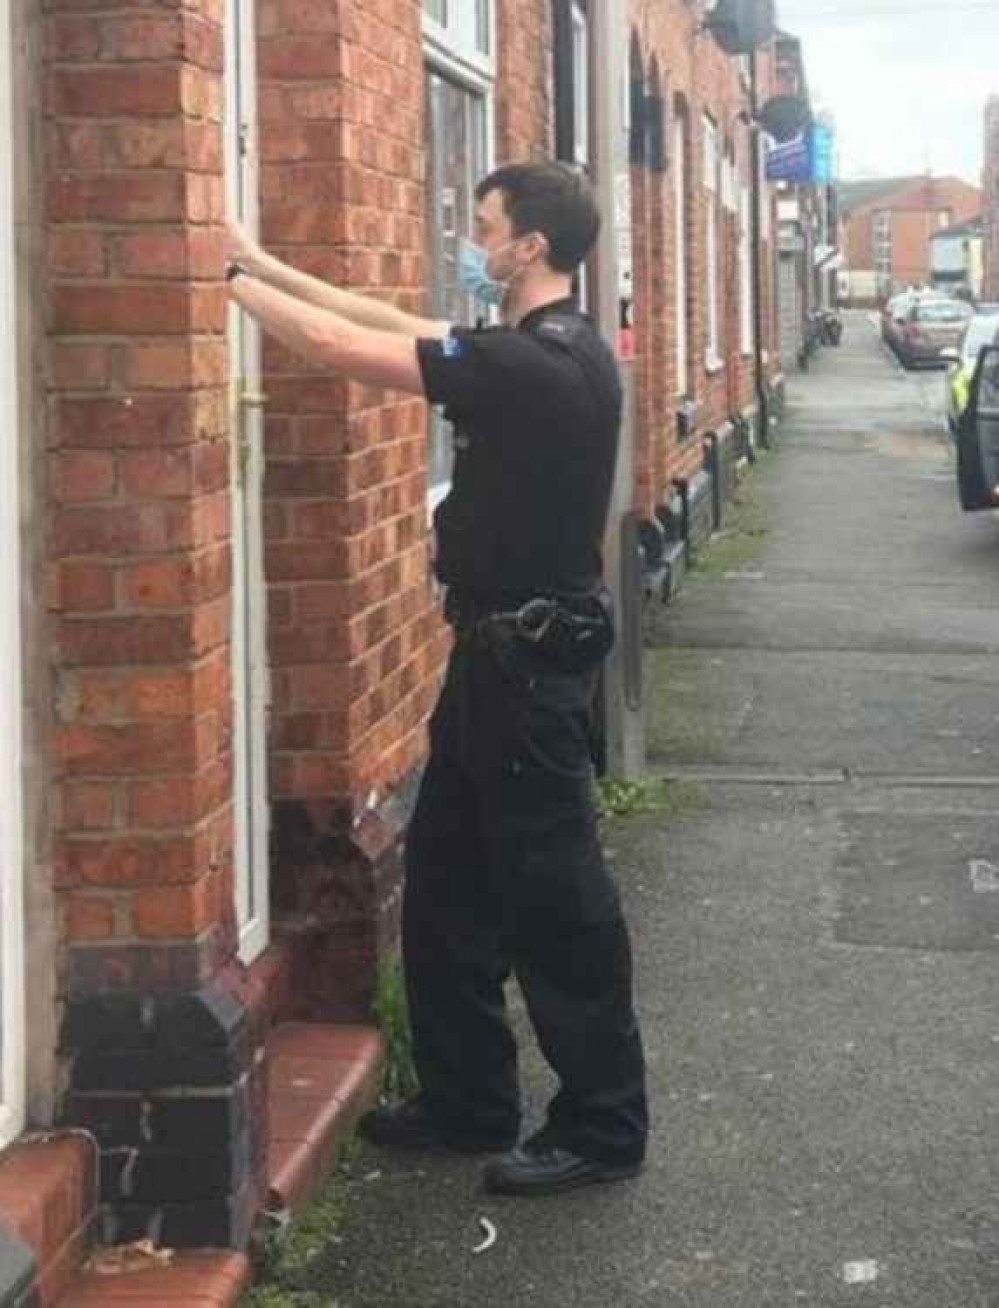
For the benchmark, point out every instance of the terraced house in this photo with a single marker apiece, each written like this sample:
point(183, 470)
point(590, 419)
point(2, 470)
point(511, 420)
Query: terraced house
point(221, 638)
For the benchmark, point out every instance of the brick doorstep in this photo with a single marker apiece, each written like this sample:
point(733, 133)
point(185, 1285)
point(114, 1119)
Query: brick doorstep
point(48, 1195)
point(321, 1078)
point(194, 1280)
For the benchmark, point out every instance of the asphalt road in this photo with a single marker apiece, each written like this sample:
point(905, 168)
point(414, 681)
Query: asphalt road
point(816, 921)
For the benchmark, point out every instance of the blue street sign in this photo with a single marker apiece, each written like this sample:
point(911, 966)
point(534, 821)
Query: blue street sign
point(808, 159)
point(823, 162)
point(790, 162)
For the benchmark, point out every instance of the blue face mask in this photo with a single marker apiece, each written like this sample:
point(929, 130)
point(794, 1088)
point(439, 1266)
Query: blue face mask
point(475, 278)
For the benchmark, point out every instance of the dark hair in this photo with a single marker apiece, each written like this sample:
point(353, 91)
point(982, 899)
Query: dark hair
point(550, 198)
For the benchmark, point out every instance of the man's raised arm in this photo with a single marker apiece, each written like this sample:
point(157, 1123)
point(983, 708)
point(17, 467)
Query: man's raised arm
point(362, 310)
point(369, 355)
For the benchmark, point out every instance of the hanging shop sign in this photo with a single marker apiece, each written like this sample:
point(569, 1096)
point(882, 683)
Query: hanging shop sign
point(807, 159)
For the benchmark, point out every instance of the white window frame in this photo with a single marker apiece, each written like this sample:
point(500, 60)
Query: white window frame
point(450, 53)
point(710, 131)
point(454, 41)
point(581, 112)
point(730, 183)
point(713, 361)
point(680, 181)
point(12, 952)
point(580, 84)
point(250, 667)
point(746, 315)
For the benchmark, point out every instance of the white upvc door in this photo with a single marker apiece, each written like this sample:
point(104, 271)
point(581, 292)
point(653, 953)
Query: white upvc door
point(12, 1052)
point(249, 643)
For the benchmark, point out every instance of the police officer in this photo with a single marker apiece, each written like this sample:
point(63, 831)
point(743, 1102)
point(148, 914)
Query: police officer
point(504, 869)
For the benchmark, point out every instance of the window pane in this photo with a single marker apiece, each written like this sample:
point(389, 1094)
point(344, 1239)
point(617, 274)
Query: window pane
point(988, 391)
point(710, 154)
point(680, 246)
point(711, 281)
point(483, 26)
point(580, 87)
point(437, 10)
point(942, 312)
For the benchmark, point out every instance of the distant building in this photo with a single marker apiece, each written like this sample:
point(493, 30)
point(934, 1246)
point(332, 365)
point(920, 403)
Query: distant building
point(990, 185)
point(956, 263)
point(888, 226)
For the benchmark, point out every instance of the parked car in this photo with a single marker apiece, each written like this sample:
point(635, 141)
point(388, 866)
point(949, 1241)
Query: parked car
point(982, 330)
point(978, 437)
point(893, 312)
point(928, 326)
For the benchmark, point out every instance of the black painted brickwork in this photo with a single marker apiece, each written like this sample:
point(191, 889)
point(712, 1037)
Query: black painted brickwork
point(173, 1090)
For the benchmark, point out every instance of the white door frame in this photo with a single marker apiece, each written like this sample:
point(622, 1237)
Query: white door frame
point(12, 996)
point(249, 635)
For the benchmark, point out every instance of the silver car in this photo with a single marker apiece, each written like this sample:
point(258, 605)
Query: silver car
point(927, 327)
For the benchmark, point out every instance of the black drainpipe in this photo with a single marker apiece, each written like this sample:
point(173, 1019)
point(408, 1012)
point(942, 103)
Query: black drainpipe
point(756, 200)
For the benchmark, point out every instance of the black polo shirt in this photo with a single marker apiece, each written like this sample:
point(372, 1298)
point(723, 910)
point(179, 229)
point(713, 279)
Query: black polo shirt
point(536, 412)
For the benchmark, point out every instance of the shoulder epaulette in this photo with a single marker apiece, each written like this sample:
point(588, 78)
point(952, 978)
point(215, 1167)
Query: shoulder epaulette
point(560, 327)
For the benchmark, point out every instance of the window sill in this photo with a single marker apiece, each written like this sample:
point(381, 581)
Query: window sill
point(712, 365)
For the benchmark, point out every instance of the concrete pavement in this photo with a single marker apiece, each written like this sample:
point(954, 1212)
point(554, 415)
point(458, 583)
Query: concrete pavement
point(817, 933)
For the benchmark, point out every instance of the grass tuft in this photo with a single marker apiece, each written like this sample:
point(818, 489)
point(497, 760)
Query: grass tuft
point(746, 528)
point(392, 1015)
point(297, 1264)
point(618, 800)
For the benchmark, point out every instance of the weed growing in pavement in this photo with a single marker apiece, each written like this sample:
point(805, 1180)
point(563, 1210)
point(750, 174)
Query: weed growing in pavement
point(618, 799)
point(676, 724)
point(296, 1266)
point(746, 527)
point(392, 1015)
point(268, 1296)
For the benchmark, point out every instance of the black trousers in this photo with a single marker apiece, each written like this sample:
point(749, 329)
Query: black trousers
point(505, 873)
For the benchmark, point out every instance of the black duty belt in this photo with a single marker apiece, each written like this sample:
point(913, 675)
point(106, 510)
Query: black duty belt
point(574, 630)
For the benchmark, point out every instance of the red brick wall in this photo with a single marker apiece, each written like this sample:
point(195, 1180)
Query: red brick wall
point(353, 638)
point(138, 473)
point(140, 455)
point(859, 238)
point(524, 114)
point(650, 387)
point(355, 641)
point(695, 70)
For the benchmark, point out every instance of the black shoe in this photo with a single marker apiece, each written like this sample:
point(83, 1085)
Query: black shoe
point(540, 1166)
point(409, 1125)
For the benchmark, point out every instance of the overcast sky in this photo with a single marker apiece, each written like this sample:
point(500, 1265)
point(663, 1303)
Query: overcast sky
point(906, 80)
